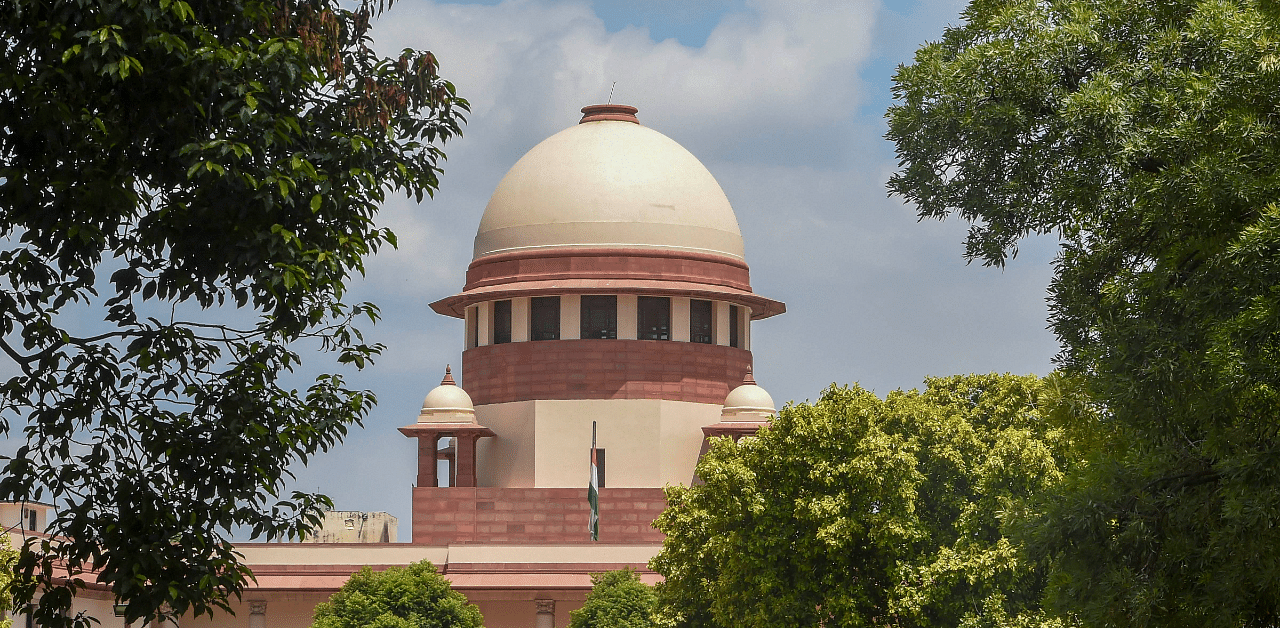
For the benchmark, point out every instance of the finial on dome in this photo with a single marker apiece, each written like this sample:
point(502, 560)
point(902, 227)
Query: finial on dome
point(448, 377)
point(621, 113)
point(748, 379)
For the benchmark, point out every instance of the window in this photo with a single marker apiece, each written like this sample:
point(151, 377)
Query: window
point(599, 466)
point(544, 318)
point(600, 316)
point(473, 325)
point(501, 322)
point(700, 322)
point(32, 520)
point(734, 339)
point(653, 318)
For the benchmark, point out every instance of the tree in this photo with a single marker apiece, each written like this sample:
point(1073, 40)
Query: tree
point(861, 511)
point(617, 600)
point(400, 597)
point(1142, 133)
point(7, 559)
point(185, 188)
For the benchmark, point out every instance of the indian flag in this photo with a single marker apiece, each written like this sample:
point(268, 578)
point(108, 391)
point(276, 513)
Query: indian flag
point(593, 489)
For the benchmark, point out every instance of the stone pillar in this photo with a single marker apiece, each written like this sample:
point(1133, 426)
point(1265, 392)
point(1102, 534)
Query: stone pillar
point(680, 319)
point(720, 323)
point(466, 459)
point(426, 460)
point(628, 322)
point(546, 617)
point(257, 614)
point(570, 317)
point(520, 319)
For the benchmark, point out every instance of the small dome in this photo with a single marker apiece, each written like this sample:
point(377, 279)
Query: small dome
point(609, 182)
point(748, 399)
point(447, 399)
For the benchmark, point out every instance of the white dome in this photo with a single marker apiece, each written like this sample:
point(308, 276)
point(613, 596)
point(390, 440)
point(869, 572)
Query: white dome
point(447, 401)
point(609, 183)
point(749, 398)
point(449, 397)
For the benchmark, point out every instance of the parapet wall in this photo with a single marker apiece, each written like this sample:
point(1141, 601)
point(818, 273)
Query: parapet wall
point(459, 515)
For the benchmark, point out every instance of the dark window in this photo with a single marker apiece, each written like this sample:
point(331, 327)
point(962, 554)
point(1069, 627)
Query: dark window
point(600, 316)
point(599, 466)
point(501, 322)
point(700, 322)
point(474, 324)
point(544, 318)
point(653, 318)
point(32, 517)
point(734, 339)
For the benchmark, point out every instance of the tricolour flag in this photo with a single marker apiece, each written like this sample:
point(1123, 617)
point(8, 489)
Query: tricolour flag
point(593, 489)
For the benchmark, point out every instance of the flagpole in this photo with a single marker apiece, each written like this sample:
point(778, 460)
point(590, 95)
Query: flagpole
point(593, 490)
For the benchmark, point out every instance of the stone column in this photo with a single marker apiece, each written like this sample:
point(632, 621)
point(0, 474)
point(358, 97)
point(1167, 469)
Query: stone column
point(546, 617)
point(427, 460)
point(257, 614)
point(466, 459)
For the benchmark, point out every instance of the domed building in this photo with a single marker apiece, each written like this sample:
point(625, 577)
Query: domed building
point(608, 298)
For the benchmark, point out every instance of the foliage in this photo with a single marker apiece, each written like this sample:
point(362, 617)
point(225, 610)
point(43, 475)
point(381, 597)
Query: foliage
point(1144, 134)
point(400, 597)
point(858, 511)
point(617, 600)
point(8, 556)
point(185, 188)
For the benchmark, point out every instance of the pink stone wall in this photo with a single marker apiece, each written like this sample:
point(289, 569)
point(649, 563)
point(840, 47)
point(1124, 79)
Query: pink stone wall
point(443, 516)
point(602, 369)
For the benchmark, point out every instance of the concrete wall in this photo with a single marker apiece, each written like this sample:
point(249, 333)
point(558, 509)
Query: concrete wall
point(349, 526)
point(546, 443)
point(16, 516)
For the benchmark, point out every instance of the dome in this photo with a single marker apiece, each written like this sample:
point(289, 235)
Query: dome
point(447, 402)
point(609, 182)
point(748, 399)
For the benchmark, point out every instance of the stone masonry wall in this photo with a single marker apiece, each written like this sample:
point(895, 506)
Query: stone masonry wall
point(602, 369)
point(455, 515)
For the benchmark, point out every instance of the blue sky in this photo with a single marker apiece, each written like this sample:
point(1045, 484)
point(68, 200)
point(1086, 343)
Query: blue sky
point(784, 102)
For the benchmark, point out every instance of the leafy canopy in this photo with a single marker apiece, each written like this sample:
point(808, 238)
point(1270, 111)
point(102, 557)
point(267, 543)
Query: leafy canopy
point(861, 511)
point(400, 597)
point(1144, 134)
point(618, 599)
point(185, 189)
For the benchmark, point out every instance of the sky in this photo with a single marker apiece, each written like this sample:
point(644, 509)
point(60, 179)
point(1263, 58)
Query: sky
point(784, 102)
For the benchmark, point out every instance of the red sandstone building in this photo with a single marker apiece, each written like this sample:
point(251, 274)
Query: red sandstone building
point(608, 285)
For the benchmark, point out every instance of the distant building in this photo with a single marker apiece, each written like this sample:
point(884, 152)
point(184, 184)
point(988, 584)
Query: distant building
point(25, 516)
point(349, 526)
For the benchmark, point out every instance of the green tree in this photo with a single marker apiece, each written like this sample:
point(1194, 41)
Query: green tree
point(617, 600)
point(861, 511)
point(1144, 135)
point(8, 556)
point(185, 188)
point(400, 597)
